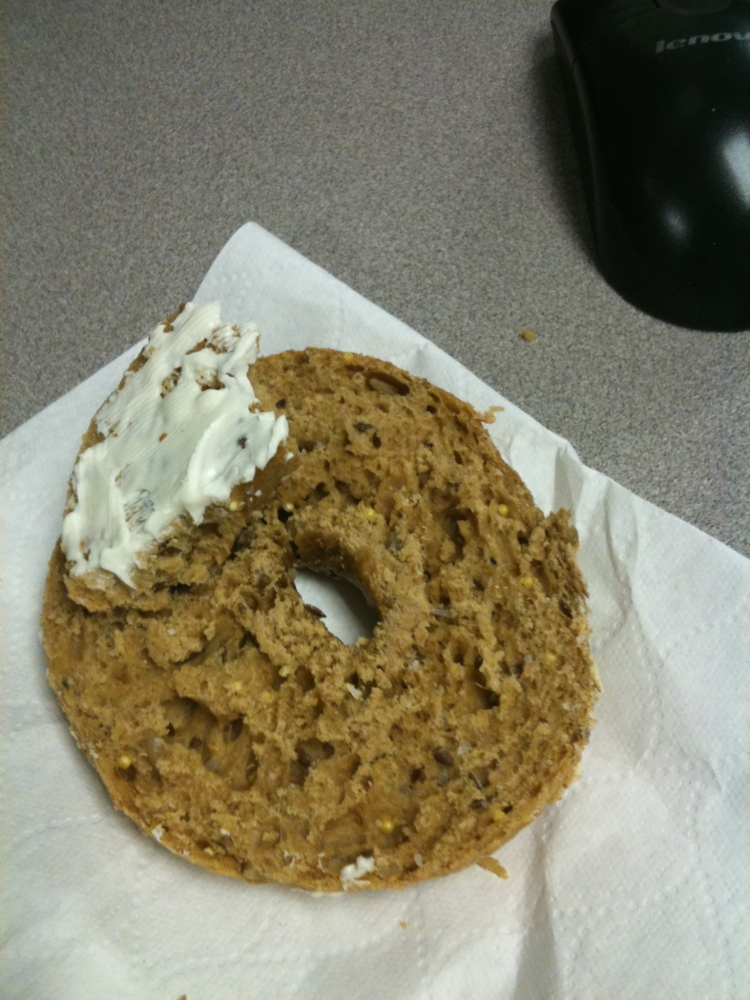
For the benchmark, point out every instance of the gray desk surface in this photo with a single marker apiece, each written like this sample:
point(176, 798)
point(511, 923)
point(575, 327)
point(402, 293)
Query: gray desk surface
point(417, 149)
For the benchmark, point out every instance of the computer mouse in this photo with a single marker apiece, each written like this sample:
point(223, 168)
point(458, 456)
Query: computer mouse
point(659, 93)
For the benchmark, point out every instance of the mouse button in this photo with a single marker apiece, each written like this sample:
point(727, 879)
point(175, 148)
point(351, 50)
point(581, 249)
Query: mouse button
point(623, 10)
point(580, 23)
point(689, 7)
point(629, 6)
point(574, 24)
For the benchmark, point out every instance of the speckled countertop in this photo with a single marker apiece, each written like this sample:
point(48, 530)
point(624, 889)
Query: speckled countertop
point(420, 151)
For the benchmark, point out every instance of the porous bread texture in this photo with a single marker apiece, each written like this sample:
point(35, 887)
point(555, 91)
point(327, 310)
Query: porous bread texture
point(232, 725)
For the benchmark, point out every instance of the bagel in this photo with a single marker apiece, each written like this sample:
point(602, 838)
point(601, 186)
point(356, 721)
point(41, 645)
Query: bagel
point(228, 722)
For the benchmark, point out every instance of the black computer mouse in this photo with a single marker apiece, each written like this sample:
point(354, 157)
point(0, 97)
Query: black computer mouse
point(659, 92)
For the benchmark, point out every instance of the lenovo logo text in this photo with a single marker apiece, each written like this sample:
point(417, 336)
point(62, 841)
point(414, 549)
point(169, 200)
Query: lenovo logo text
point(720, 36)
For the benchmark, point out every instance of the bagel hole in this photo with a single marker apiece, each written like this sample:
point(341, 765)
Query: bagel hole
point(347, 613)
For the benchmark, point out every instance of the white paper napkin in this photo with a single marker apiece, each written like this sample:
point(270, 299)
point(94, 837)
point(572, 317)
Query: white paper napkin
point(634, 886)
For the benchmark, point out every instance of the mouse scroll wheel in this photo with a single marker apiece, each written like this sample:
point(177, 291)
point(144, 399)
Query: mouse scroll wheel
point(695, 6)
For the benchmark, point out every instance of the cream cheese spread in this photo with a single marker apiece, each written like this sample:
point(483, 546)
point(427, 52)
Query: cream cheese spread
point(351, 875)
point(178, 435)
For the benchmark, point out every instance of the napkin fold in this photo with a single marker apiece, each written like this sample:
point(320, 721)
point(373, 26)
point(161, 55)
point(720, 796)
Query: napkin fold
point(634, 885)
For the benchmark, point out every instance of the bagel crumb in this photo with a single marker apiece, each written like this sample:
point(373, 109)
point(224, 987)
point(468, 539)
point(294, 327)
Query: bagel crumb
point(488, 417)
point(494, 866)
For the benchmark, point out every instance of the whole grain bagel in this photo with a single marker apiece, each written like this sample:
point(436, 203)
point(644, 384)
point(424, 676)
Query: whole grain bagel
point(229, 723)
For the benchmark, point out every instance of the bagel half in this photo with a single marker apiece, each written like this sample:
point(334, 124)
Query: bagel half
point(226, 720)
